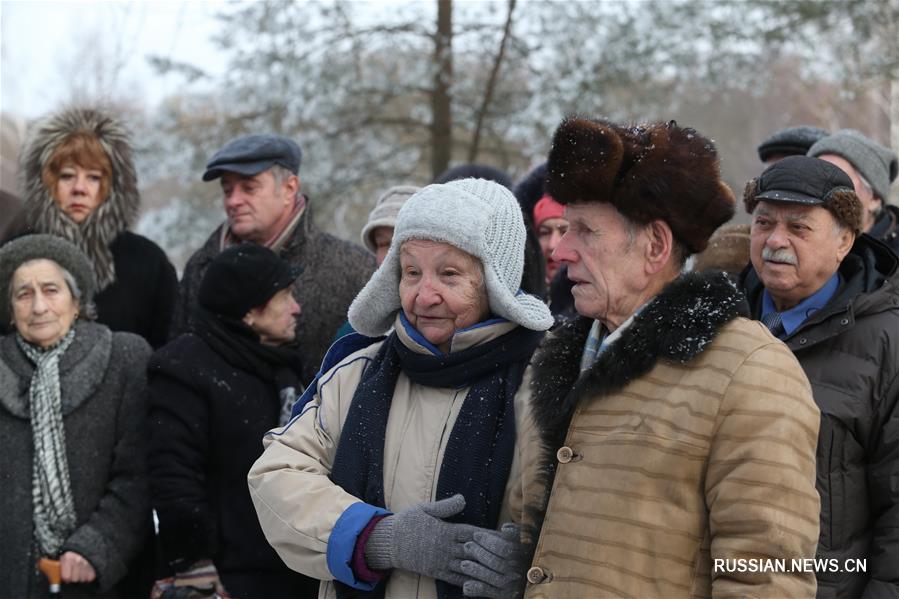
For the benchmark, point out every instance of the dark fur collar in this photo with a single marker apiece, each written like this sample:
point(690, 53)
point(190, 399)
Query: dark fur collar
point(676, 326)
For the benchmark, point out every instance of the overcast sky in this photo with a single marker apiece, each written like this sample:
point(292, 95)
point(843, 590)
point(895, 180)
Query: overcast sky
point(48, 48)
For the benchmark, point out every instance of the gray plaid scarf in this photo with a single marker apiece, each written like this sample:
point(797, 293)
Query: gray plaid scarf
point(51, 490)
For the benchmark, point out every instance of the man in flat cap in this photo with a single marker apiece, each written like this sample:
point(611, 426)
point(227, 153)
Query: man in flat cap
point(832, 295)
point(792, 141)
point(677, 435)
point(263, 203)
point(872, 169)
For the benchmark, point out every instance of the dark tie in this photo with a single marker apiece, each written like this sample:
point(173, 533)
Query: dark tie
point(773, 321)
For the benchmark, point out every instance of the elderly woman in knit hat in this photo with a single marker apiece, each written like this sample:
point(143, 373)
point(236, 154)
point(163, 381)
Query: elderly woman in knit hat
point(378, 231)
point(72, 408)
point(213, 393)
point(404, 449)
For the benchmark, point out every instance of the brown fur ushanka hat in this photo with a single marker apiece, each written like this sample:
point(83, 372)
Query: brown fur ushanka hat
point(647, 172)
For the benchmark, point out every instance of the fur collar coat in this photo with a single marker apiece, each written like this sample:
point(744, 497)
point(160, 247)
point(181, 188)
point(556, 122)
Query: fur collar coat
point(648, 473)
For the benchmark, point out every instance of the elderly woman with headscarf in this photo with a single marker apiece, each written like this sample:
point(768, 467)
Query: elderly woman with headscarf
point(405, 448)
point(213, 393)
point(72, 408)
point(80, 183)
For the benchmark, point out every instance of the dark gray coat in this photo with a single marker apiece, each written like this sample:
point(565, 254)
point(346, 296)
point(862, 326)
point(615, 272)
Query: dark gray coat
point(103, 382)
point(850, 352)
point(334, 271)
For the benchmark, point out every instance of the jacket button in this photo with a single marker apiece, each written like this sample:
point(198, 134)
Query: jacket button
point(536, 575)
point(564, 455)
point(803, 341)
point(844, 322)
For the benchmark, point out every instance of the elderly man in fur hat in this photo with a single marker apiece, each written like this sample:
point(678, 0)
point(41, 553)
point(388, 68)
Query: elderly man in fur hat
point(677, 435)
point(832, 295)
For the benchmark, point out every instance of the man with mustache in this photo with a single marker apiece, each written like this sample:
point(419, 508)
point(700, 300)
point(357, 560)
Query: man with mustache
point(831, 293)
point(263, 203)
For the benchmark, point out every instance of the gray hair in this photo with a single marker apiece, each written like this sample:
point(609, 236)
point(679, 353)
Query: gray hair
point(870, 188)
point(281, 174)
point(86, 310)
point(679, 251)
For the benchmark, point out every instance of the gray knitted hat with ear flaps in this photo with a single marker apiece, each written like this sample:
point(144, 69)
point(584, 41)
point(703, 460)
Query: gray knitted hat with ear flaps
point(477, 216)
point(47, 247)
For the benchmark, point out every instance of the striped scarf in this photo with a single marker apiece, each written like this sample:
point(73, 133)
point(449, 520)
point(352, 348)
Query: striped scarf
point(51, 490)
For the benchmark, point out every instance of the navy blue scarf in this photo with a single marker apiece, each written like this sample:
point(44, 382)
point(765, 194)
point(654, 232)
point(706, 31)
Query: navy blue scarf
point(480, 448)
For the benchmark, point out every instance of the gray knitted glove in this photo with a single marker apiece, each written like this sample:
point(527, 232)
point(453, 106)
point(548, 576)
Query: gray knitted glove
point(495, 563)
point(418, 540)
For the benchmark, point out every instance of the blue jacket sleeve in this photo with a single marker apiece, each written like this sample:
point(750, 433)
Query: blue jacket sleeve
point(342, 542)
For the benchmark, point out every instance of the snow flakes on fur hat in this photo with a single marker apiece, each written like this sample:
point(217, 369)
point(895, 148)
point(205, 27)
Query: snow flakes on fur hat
point(647, 172)
point(477, 216)
point(46, 247)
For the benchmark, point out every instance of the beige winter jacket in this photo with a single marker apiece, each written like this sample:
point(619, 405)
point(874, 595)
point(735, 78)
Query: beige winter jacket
point(298, 505)
point(691, 439)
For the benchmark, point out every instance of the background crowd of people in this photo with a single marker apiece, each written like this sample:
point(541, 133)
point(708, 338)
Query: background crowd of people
point(588, 383)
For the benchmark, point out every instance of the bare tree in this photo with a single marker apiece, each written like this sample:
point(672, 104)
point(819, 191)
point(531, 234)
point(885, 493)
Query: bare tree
point(378, 99)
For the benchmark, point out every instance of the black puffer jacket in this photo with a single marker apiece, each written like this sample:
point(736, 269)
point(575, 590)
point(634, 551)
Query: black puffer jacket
point(207, 419)
point(850, 353)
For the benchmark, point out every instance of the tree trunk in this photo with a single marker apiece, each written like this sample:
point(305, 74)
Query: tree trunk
point(441, 102)
point(491, 85)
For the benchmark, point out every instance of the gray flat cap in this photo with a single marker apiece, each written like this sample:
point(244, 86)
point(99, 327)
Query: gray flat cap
point(251, 154)
point(792, 141)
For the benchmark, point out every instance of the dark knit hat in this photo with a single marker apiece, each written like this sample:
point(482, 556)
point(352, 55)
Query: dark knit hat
point(792, 141)
point(647, 172)
point(243, 277)
point(876, 163)
point(251, 154)
point(47, 247)
point(810, 182)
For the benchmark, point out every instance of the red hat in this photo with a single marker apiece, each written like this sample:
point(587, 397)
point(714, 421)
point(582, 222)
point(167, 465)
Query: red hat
point(547, 208)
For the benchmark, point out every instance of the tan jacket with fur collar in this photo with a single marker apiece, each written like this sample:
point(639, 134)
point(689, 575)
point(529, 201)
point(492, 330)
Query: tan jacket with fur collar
point(690, 440)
